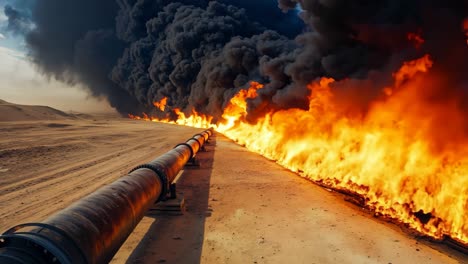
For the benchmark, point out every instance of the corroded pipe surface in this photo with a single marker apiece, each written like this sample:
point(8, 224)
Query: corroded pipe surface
point(95, 227)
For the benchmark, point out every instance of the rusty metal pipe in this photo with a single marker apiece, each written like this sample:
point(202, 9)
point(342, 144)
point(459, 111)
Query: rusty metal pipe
point(93, 229)
point(200, 138)
point(204, 134)
point(210, 131)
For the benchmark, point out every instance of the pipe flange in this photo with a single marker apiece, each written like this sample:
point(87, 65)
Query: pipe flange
point(199, 143)
point(192, 153)
point(162, 176)
point(209, 131)
point(201, 135)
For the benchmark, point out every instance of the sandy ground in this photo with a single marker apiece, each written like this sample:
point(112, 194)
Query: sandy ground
point(45, 166)
point(241, 208)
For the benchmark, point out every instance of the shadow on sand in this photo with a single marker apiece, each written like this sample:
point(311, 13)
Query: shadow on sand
point(179, 239)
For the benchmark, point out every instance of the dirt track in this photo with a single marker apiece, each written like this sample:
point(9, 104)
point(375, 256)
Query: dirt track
point(242, 208)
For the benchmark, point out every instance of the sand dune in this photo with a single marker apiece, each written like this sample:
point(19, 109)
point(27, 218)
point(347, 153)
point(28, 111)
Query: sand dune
point(14, 112)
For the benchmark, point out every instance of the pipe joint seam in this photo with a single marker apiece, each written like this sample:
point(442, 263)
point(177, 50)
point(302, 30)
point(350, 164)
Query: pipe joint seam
point(192, 153)
point(198, 141)
point(209, 131)
point(204, 135)
point(162, 176)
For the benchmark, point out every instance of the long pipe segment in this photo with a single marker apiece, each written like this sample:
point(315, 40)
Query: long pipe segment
point(93, 229)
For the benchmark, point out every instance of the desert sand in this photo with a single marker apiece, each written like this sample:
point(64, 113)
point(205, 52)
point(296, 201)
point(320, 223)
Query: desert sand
point(45, 166)
point(241, 207)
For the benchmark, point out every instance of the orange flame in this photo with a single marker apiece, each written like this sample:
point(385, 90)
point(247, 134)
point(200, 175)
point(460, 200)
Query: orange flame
point(144, 117)
point(416, 38)
point(194, 120)
point(161, 105)
point(134, 117)
point(236, 110)
point(407, 155)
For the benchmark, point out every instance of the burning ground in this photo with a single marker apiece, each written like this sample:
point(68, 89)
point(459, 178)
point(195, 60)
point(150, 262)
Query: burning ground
point(366, 96)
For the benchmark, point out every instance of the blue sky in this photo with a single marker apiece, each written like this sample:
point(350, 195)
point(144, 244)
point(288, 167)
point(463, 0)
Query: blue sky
point(8, 40)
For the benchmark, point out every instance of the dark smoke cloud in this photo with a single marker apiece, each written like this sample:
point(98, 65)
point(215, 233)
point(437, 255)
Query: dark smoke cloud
point(180, 41)
point(134, 14)
point(349, 39)
point(19, 22)
point(116, 47)
point(231, 69)
point(286, 22)
point(75, 41)
point(199, 53)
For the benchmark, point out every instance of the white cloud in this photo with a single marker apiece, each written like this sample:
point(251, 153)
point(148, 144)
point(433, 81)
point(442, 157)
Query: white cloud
point(2, 37)
point(3, 17)
point(10, 55)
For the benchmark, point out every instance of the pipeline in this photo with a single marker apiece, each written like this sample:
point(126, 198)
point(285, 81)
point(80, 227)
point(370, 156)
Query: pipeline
point(93, 229)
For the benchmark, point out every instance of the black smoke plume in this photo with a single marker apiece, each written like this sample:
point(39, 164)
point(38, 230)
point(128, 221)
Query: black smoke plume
point(75, 42)
point(349, 39)
point(115, 47)
point(200, 53)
